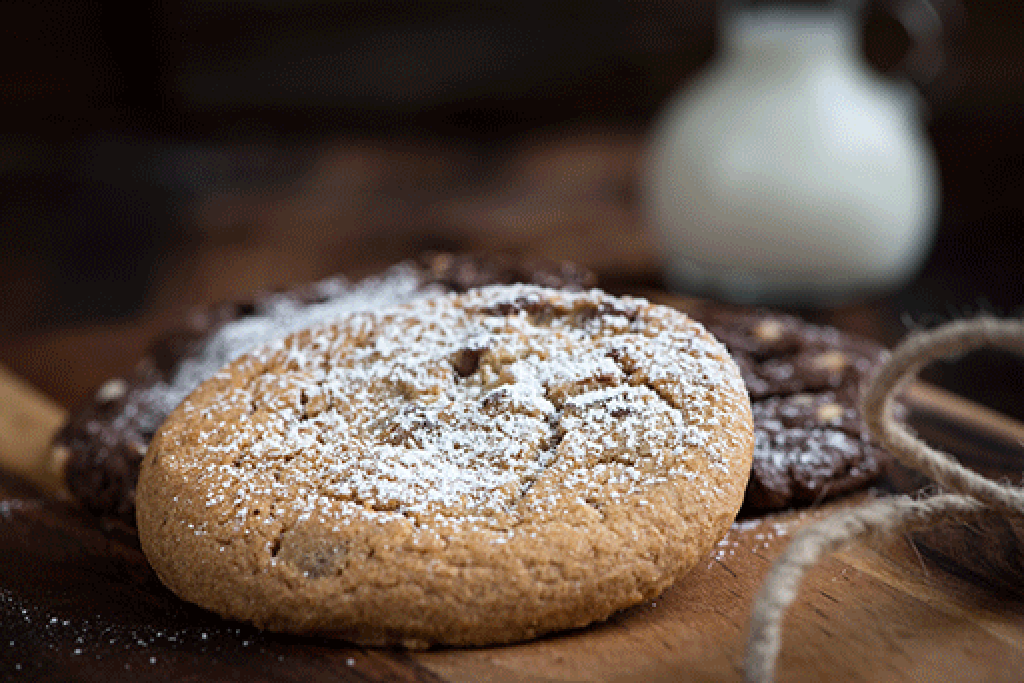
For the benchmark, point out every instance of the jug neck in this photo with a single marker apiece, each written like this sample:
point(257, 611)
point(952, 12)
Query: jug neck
point(797, 34)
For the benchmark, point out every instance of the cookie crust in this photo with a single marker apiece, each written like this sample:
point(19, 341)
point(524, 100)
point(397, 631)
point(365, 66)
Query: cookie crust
point(465, 470)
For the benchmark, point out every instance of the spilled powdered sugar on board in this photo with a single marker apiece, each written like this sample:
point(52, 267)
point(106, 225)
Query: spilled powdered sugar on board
point(102, 643)
point(755, 535)
point(506, 404)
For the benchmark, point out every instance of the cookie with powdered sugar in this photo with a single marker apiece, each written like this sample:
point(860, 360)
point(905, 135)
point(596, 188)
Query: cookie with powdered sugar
point(466, 469)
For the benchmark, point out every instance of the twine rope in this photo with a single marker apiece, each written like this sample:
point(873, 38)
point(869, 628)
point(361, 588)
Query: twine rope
point(971, 494)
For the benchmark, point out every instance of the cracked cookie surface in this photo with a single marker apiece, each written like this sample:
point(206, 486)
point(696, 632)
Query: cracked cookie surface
point(468, 469)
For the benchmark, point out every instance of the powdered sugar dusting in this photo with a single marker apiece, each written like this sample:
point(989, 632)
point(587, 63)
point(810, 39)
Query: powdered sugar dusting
point(505, 404)
point(281, 315)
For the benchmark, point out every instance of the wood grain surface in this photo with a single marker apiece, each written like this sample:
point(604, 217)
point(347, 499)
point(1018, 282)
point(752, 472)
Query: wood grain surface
point(79, 602)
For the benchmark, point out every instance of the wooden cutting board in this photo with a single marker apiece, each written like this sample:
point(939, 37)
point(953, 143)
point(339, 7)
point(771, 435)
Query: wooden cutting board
point(79, 602)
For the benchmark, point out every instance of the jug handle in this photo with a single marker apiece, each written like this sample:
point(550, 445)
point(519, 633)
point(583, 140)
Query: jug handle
point(926, 23)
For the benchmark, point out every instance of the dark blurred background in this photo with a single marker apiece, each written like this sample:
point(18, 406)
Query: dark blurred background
point(164, 153)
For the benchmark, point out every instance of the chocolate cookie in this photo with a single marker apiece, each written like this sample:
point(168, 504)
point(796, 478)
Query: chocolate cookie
point(779, 355)
point(782, 355)
point(809, 447)
point(804, 381)
point(462, 470)
point(104, 441)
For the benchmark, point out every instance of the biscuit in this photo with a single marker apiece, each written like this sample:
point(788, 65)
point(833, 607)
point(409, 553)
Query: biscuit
point(805, 382)
point(809, 447)
point(467, 469)
point(779, 355)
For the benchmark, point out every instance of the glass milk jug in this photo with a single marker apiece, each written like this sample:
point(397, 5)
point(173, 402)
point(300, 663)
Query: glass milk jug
point(790, 172)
